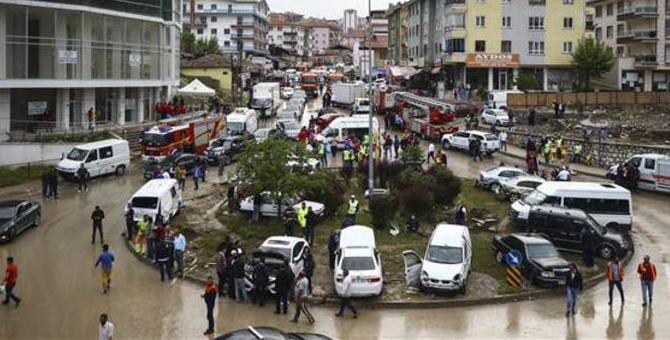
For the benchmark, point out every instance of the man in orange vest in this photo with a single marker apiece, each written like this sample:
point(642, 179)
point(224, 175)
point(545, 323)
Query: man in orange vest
point(648, 275)
point(615, 276)
point(210, 299)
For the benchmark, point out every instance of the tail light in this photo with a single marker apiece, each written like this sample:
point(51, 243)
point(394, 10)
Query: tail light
point(374, 279)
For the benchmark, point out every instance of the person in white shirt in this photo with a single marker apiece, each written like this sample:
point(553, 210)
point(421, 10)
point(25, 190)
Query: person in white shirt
point(503, 140)
point(346, 294)
point(105, 329)
point(166, 174)
point(179, 248)
point(301, 292)
point(563, 175)
point(431, 153)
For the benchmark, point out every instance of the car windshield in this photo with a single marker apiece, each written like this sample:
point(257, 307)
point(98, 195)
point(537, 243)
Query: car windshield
point(284, 251)
point(542, 251)
point(145, 202)
point(358, 263)
point(491, 137)
point(590, 221)
point(444, 254)
point(235, 127)
point(260, 102)
point(501, 113)
point(364, 103)
point(534, 198)
point(291, 126)
point(6, 213)
point(77, 154)
point(154, 138)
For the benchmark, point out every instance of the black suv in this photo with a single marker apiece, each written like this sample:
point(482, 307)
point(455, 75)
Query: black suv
point(187, 160)
point(542, 264)
point(563, 226)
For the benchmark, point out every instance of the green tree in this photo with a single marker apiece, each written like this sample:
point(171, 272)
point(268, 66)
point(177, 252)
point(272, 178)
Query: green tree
point(411, 154)
point(204, 47)
point(187, 42)
point(527, 81)
point(591, 60)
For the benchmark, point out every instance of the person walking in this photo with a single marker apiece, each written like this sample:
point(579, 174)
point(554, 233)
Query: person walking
point(310, 220)
point(587, 247)
point(195, 173)
point(333, 244)
point(503, 140)
point(105, 260)
point(283, 285)
point(141, 239)
point(180, 174)
point(300, 293)
point(573, 284)
point(53, 183)
point(308, 267)
point(210, 299)
point(130, 221)
point(615, 277)
point(106, 328)
point(238, 277)
point(221, 269)
point(478, 150)
point(179, 249)
point(82, 178)
point(648, 275)
point(163, 257)
point(290, 220)
point(97, 216)
point(302, 219)
point(431, 153)
point(45, 184)
point(260, 280)
point(346, 293)
point(11, 277)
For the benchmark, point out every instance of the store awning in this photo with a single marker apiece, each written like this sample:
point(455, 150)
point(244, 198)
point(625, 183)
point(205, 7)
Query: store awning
point(196, 88)
point(401, 71)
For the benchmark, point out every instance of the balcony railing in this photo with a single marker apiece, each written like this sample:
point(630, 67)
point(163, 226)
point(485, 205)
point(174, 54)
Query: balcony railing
point(453, 2)
point(644, 35)
point(637, 11)
point(646, 60)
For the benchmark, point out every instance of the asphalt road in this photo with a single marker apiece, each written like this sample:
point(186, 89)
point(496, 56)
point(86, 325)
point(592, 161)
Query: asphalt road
point(62, 297)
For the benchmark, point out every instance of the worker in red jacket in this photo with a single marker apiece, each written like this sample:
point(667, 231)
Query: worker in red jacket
point(648, 274)
point(615, 277)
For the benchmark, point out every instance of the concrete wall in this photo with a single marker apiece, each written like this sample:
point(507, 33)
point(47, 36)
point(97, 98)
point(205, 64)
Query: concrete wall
point(22, 153)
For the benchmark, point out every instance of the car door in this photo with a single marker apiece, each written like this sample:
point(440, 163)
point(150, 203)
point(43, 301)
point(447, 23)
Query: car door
point(106, 160)
point(20, 217)
point(467, 258)
point(561, 231)
point(268, 205)
point(93, 163)
point(460, 140)
point(647, 170)
point(297, 256)
point(574, 239)
point(413, 265)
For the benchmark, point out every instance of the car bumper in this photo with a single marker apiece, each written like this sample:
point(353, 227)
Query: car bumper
point(440, 285)
point(361, 290)
point(550, 282)
point(146, 158)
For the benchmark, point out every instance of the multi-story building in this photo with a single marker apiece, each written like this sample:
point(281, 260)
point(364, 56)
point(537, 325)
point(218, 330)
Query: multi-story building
point(349, 21)
point(397, 26)
point(290, 36)
point(238, 25)
point(379, 22)
point(324, 33)
point(637, 31)
point(488, 42)
point(60, 59)
point(424, 37)
point(354, 36)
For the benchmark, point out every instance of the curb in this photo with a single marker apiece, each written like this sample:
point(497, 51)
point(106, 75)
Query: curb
point(589, 172)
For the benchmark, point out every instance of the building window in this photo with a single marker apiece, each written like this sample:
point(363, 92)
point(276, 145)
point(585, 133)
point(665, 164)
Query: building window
point(213, 19)
point(568, 2)
point(455, 46)
point(620, 30)
point(213, 31)
point(203, 20)
point(599, 11)
point(212, 6)
point(567, 47)
point(199, 31)
point(480, 46)
point(610, 32)
point(620, 51)
point(536, 23)
point(567, 22)
point(226, 31)
point(506, 22)
point(610, 9)
point(599, 33)
point(480, 21)
point(226, 43)
point(506, 46)
point(535, 47)
point(619, 7)
point(200, 6)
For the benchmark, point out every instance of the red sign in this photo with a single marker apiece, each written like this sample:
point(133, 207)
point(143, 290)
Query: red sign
point(486, 60)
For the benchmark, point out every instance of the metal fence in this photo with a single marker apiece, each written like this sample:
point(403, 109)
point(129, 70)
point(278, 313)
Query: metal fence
point(602, 99)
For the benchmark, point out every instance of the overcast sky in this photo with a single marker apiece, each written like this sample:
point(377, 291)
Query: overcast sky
point(330, 9)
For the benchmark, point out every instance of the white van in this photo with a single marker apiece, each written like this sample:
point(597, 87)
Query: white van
point(358, 254)
point(157, 196)
point(340, 128)
point(609, 204)
point(654, 171)
point(446, 265)
point(498, 99)
point(99, 158)
point(241, 120)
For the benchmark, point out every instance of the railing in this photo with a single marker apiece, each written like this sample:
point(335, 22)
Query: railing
point(644, 59)
point(639, 10)
point(452, 2)
point(645, 35)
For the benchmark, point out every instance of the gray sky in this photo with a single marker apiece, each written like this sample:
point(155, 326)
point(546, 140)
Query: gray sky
point(330, 9)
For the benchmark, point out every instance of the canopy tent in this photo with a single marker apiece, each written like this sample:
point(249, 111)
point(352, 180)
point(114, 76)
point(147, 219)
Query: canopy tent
point(197, 88)
point(401, 71)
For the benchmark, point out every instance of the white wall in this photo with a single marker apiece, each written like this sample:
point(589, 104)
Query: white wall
point(21, 153)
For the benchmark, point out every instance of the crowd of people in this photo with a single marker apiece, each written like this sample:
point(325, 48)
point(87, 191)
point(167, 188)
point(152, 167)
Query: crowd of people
point(627, 175)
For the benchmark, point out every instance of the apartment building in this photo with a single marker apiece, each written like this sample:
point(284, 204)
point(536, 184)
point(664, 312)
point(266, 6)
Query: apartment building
point(291, 36)
point(424, 38)
point(324, 33)
point(349, 21)
point(397, 40)
point(239, 25)
point(379, 22)
point(637, 30)
point(488, 42)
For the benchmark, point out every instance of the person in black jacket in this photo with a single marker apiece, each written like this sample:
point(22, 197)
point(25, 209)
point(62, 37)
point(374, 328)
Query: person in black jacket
point(163, 258)
point(333, 244)
point(45, 184)
point(573, 284)
point(260, 279)
point(82, 177)
point(311, 224)
point(210, 300)
point(587, 247)
point(238, 278)
point(53, 183)
point(308, 268)
point(283, 284)
point(97, 216)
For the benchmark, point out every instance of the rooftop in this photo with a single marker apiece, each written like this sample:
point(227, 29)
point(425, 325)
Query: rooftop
point(208, 61)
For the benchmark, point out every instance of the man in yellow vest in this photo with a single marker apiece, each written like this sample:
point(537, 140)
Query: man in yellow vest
point(353, 207)
point(577, 157)
point(302, 217)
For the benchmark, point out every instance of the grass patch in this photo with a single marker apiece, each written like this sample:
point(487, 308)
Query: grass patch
point(12, 176)
point(479, 200)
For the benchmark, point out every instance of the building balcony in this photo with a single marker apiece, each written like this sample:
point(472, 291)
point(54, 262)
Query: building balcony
point(647, 36)
point(646, 61)
point(638, 12)
point(242, 36)
point(231, 12)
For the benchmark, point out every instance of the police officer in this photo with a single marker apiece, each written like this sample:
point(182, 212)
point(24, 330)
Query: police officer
point(353, 207)
point(333, 244)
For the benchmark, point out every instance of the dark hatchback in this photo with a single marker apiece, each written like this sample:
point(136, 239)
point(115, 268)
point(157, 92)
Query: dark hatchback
point(169, 163)
point(542, 264)
point(16, 216)
point(229, 146)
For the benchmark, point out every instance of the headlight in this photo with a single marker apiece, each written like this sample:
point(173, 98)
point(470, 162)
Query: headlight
point(623, 244)
point(424, 275)
point(457, 278)
point(547, 274)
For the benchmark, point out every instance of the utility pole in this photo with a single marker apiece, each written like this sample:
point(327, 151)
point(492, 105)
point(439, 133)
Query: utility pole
point(371, 159)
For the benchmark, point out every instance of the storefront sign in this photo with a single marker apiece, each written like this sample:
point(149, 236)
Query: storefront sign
point(36, 108)
point(134, 60)
point(500, 60)
point(67, 57)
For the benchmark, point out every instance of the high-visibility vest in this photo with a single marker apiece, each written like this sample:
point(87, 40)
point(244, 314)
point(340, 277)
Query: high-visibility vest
point(322, 149)
point(346, 155)
point(353, 206)
point(302, 217)
point(578, 149)
point(366, 139)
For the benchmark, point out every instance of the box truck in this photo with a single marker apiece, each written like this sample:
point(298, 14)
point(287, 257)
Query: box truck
point(266, 99)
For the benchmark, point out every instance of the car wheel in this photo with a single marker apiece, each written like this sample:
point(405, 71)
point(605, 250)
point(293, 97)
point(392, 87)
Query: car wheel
point(464, 288)
point(606, 252)
point(495, 187)
point(12, 233)
point(499, 256)
point(446, 145)
point(120, 170)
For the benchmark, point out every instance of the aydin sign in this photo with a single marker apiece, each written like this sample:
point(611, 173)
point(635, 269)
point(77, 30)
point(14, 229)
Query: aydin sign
point(501, 60)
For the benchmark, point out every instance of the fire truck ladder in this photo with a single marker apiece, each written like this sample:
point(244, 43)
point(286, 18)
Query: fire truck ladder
point(420, 101)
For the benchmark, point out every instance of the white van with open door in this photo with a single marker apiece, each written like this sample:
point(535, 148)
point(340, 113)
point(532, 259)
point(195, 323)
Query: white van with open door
point(157, 196)
point(654, 171)
point(341, 128)
point(99, 158)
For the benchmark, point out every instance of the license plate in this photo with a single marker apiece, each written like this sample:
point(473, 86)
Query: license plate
point(561, 282)
point(360, 280)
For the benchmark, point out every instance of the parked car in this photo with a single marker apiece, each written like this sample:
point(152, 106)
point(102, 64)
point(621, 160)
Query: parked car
point(276, 250)
point(490, 178)
point(256, 333)
point(286, 92)
point(269, 206)
point(464, 109)
point(99, 158)
point(263, 134)
point(361, 106)
point(446, 264)
point(325, 119)
point(517, 187)
point(563, 227)
point(357, 252)
point(286, 116)
point(461, 140)
point(496, 117)
point(229, 146)
point(16, 216)
point(169, 163)
point(541, 263)
point(309, 165)
point(291, 128)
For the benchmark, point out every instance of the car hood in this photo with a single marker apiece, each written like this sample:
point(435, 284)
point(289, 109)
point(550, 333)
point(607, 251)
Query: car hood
point(259, 253)
point(316, 207)
point(68, 164)
point(551, 263)
point(5, 222)
point(442, 271)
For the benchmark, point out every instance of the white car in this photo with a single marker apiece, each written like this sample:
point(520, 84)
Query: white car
point(490, 178)
point(361, 105)
point(269, 207)
point(358, 254)
point(276, 250)
point(446, 265)
point(517, 187)
point(461, 140)
point(310, 165)
point(286, 92)
point(291, 128)
point(496, 117)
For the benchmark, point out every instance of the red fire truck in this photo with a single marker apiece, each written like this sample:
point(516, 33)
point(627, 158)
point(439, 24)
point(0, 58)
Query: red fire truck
point(427, 117)
point(192, 136)
point(384, 101)
point(310, 83)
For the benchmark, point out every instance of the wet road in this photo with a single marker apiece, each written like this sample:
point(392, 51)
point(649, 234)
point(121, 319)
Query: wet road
point(62, 297)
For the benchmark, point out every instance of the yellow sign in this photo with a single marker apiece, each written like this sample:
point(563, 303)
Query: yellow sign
point(514, 276)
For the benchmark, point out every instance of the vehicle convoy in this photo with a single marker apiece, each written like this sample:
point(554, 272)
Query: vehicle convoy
point(16, 216)
point(357, 253)
point(341, 128)
point(345, 94)
point(276, 251)
point(461, 140)
point(157, 197)
point(446, 264)
point(310, 83)
point(654, 171)
point(99, 158)
point(609, 204)
point(193, 136)
point(241, 121)
point(426, 117)
point(541, 263)
point(266, 99)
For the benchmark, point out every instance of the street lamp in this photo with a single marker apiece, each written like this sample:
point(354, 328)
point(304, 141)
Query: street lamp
point(371, 159)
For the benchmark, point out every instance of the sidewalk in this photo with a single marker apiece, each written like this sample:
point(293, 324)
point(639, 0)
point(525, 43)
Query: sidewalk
point(517, 152)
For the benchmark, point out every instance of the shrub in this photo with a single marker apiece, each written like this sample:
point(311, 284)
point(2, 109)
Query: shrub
point(409, 177)
point(417, 200)
point(326, 188)
point(447, 186)
point(411, 154)
point(392, 171)
point(383, 209)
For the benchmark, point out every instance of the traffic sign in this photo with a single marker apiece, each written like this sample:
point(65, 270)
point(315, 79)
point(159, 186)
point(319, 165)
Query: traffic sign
point(514, 258)
point(514, 276)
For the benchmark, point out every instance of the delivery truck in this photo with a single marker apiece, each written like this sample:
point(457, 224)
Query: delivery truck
point(266, 99)
point(345, 94)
